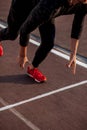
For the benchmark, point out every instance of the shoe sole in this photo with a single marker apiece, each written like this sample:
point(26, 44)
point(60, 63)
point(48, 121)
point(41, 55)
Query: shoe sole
point(36, 79)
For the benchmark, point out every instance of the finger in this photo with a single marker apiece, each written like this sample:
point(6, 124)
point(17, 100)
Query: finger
point(22, 65)
point(70, 63)
point(73, 68)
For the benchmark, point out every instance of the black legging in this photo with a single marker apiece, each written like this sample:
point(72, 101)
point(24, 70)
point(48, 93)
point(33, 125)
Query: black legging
point(47, 33)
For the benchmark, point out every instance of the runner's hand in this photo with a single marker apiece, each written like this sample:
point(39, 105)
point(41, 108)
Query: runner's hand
point(22, 61)
point(72, 63)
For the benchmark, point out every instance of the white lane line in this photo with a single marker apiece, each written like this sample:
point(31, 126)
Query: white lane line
point(42, 95)
point(58, 53)
point(2, 26)
point(20, 116)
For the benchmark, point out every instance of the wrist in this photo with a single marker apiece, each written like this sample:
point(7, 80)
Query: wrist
point(22, 56)
point(23, 52)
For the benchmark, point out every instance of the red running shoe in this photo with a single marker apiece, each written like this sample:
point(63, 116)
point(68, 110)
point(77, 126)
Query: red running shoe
point(1, 50)
point(36, 75)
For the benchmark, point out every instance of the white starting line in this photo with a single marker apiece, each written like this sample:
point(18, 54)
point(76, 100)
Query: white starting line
point(42, 95)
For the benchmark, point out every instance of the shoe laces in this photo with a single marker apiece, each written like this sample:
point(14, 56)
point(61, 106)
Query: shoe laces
point(38, 73)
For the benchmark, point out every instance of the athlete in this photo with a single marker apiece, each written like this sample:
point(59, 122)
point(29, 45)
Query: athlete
point(24, 17)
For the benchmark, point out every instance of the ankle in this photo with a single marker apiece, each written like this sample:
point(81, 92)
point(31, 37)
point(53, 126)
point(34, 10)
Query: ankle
point(31, 66)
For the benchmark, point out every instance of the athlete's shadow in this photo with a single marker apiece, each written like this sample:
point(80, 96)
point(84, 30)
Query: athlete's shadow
point(17, 79)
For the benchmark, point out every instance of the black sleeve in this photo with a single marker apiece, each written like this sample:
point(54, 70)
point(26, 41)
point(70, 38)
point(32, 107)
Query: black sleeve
point(78, 21)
